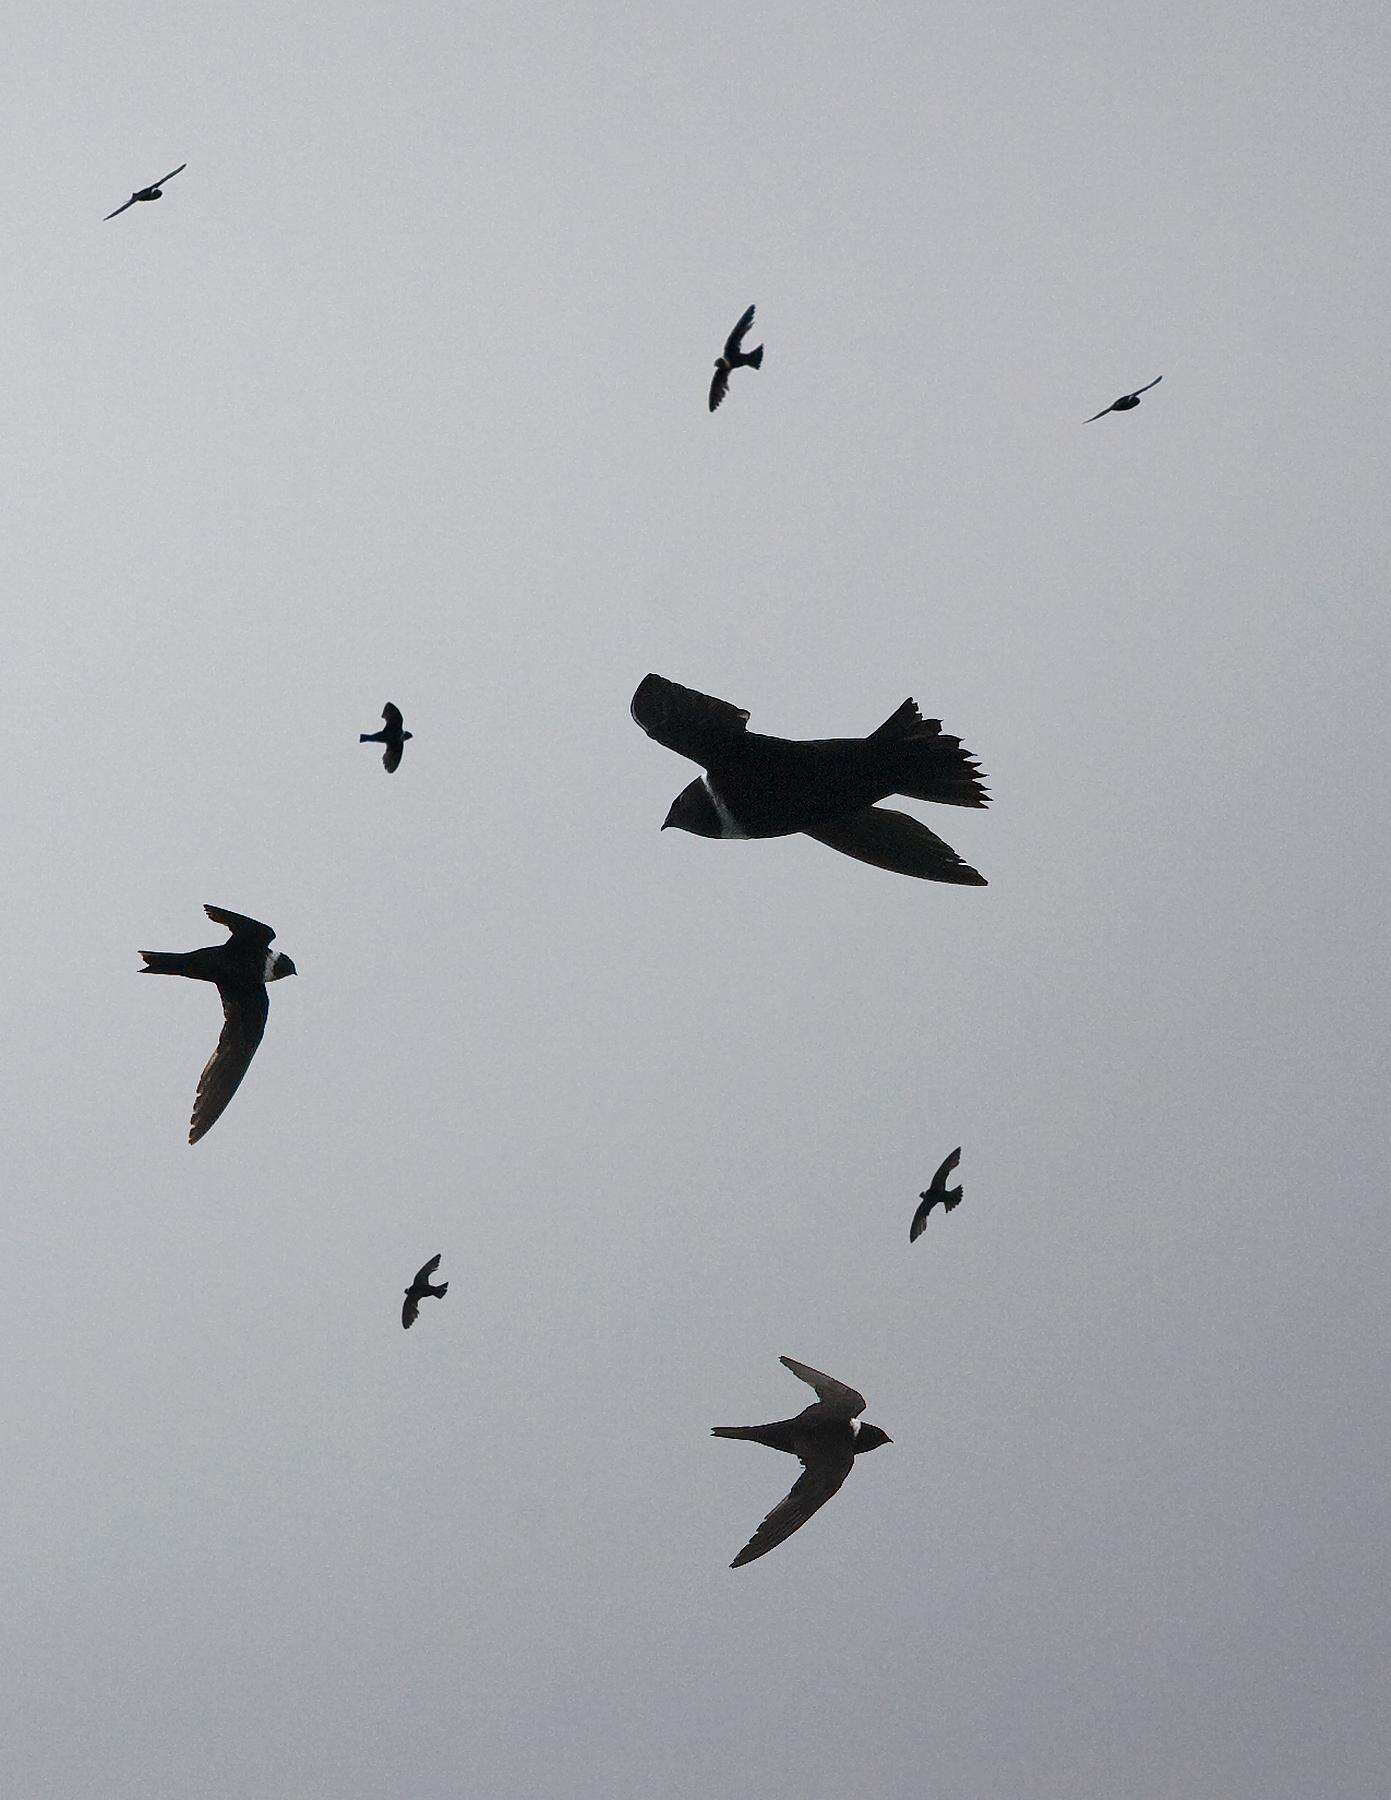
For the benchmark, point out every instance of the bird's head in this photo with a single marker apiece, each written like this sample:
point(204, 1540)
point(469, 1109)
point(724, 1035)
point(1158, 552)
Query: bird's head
point(870, 1437)
point(281, 967)
point(694, 810)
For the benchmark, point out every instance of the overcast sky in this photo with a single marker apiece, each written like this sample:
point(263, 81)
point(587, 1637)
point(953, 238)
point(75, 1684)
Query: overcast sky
point(400, 392)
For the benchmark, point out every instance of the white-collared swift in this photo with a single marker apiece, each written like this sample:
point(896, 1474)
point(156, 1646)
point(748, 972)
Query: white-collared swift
point(1126, 401)
point(391, 734)
point(759, 787)
point(239, 969)
point(825, 1438)
point(735, 357)
point(936, 1190)
point(420, 1289)
point(155, 191)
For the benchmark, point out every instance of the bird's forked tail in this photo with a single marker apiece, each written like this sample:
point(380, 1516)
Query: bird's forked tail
point(162, 962)
point(755, 358)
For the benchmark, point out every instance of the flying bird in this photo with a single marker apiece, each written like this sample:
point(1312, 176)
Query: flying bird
point(824, 1437)
point(1125, 402)
point(391, 735)
point(155, 191)
point(936, 1190)
point(420, 1289)
point(734, 358)
point(758, 787)
point(240, 968)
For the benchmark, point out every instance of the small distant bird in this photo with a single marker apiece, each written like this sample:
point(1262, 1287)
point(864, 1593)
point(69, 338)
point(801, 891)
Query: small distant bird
point(734, 358)
point(758, 787)
point(936, 1190)
point(240, 968)
point(391, 735)
point(1125, 402)
point(824, 1438)
point(420, 1289)
point(155, 191)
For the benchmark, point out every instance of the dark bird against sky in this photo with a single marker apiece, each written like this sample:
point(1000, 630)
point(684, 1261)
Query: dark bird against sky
point(155, 191)
point(824, 1437)
point(240, 968)
point(756, 786)
point(734, 358)
point(1125, 402)
point(420, 1289)
point(391, 735)
point(936, 1190)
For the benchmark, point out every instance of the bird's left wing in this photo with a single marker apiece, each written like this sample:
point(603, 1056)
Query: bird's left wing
point(734, 343)
point(120, 209)
point(422, 1275)
point(1146, 388)
point(239, 925)
point(391, 757)
point(692, 724)
point(841, 1401)
point(170, 176)
point(1101, 415)
point(812, 1489)
point(391, 716)
point(898, 842)
point(719, 387)
point(410, 1310)
point(244, 1025)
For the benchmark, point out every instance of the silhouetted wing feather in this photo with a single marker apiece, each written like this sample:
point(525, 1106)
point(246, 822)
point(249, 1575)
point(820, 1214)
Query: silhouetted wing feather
point(1146, 388)
point(719, 387)
point(734, 343)
point(120, 209)
point(840, 1401)
point(896, 841)
point(391, 756)
point(239, 925)
point(939, 1180)
point(244, 1025)
point(410, 1311)
point(170, 176)
point(391, 716)
point(1101, 415)
point(813, 1488)
point(423, 1275)
point(690, 723)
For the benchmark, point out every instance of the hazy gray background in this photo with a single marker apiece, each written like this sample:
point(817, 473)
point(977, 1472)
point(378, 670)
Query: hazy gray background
point(400, 391)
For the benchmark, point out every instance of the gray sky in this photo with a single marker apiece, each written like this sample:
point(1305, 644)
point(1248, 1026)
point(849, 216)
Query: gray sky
point(400, 392)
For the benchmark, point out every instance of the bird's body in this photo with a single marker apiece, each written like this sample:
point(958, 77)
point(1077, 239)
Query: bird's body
point(391, 734)
point(155, 191)
point(240, 968)
point(936, 1190)
point(734, 357)
point(420, 1289)
point(1126, 401)
point(758, 786)
point(825, 1437)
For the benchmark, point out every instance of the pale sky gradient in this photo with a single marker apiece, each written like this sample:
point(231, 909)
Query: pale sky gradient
point(400, 392)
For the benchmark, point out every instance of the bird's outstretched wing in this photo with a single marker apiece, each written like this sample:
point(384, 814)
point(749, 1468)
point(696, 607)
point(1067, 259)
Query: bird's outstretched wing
point(690, 723)
point(239, 925)
point(937, 1189)
point(423, 1275)
point(734, 343)
point(812, 1489)
point(391, 716)
point(170, 176)
point(244, 1025)
point(840, 1401)
point(1101, 415)
point(120, 209)
point(1146, 388)
point(896, 841)
point(391, 756)
point(410, 1311)
point(719, 387)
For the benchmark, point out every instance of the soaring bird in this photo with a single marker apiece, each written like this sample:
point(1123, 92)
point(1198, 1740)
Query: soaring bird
point(756, 786)
point(391, 735)
point(240, 968)
point(734, 358)
point(1125, 402)
point(825, 1439)
point(155, 191)
point(420, 1289)
point(936, 1190)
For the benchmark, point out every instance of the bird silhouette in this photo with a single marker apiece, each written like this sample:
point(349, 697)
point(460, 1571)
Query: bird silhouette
point(936, 1190)
point(735, 357)
point(1125, 402)
point(155, 191)
point(420, 1289)
point(391, 735)
point(240, 969)
point(825, 1439)
point(756, 786)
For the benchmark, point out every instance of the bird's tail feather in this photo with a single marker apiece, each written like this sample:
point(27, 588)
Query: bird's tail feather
point(754, 1433)
point(162, 962)
point(756, 358)
point(926, 763)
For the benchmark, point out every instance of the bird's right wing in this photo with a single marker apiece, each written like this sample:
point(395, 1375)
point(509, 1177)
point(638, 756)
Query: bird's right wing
point(423, 1275)
point(1146, 388)
point(391, 757)
point(690, 723)
point(239, 925)
point(120, 209)
point(719, 387)
point(812, 1489)
point(170, 176)
point(1101, 415)
point(939, 1180)
point(898, 842)
point(410, 1311)
point(391, 716)
point(244, 1025)
point(840, 1401)
point(734, 343)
